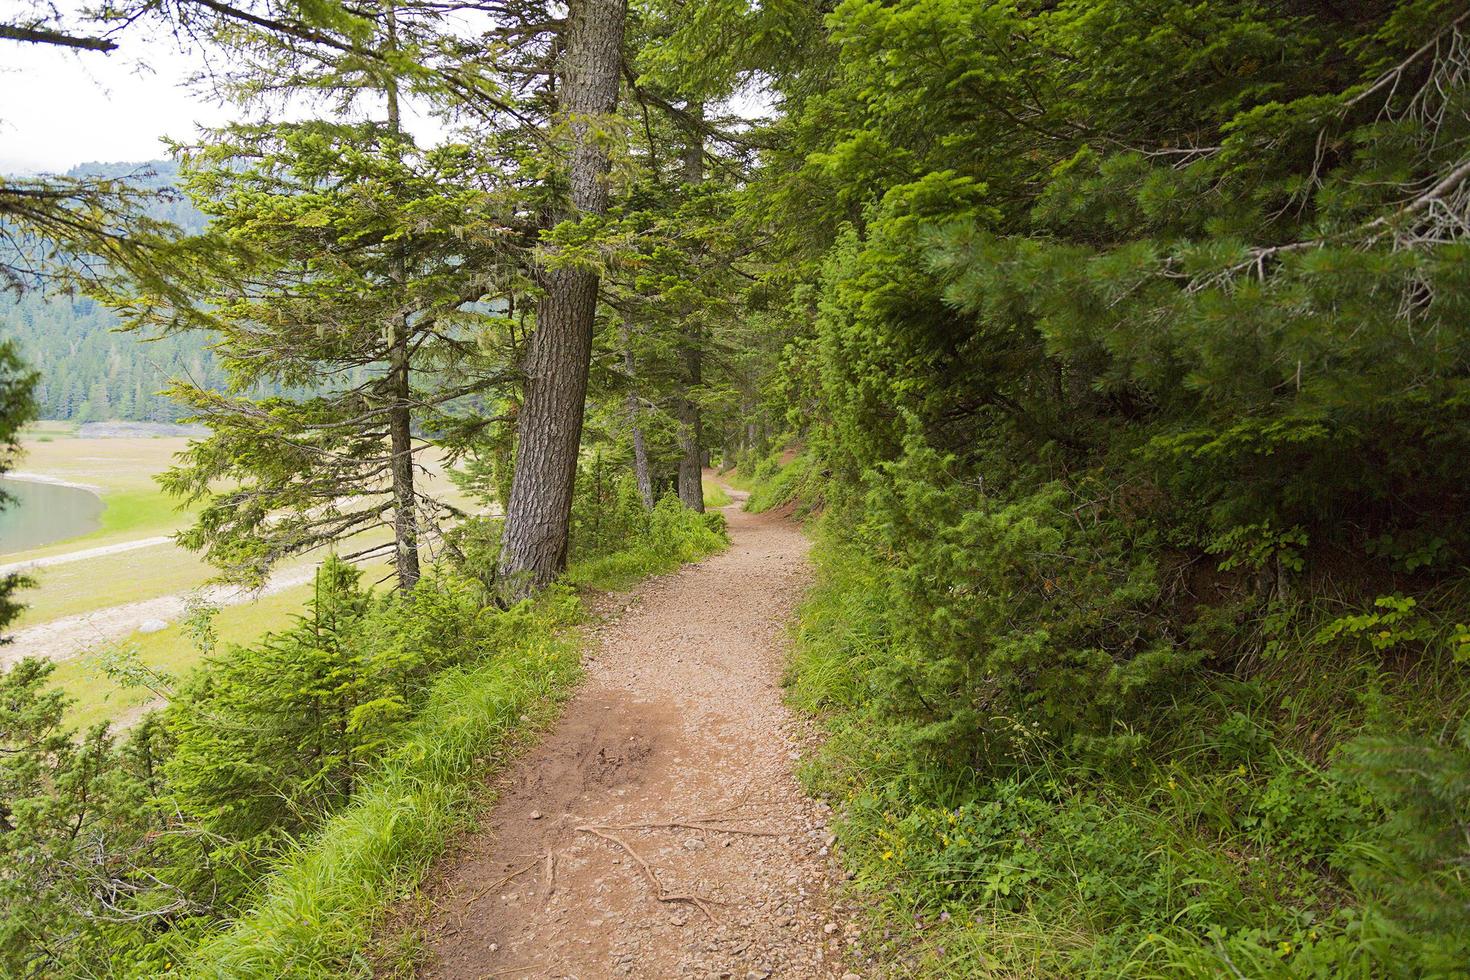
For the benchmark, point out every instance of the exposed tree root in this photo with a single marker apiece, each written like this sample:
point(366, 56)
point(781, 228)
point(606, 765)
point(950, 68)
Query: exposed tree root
point(691, 825)
point(659, 892)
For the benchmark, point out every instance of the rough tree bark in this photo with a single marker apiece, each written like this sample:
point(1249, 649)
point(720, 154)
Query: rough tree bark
point(691, 426)
point(641, 471)
point(534, 544)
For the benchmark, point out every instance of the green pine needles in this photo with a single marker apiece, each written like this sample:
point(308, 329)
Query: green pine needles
point(1127, 347)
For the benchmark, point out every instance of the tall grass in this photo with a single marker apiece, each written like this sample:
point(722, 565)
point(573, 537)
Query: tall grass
point(316, 912)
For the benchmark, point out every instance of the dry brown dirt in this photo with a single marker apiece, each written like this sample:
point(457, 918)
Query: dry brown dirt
point(658, 830)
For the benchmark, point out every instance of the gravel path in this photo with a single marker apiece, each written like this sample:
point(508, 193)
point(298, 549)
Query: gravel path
point(658, 831)
point(85, 554)
point(72, 636)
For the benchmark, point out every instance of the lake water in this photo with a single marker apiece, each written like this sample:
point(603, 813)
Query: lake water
point(39, 513)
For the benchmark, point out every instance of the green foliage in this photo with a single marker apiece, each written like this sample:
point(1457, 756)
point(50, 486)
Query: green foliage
point(607, 513)
point(773, 483)
point(662, 541)
point(1416, 860)
point(291, 789)
point(92, 372)
point(1129, 366)
point(75, 811)
point(1210, 845)
point(340, 328)
point(315, 912)
point(17, 407)
point(314, 707)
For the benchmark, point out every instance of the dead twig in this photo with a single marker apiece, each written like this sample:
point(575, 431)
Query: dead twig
point(503, 881)
point(690, 825)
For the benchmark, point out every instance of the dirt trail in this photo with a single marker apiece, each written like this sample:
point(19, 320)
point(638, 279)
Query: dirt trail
point(672, 765)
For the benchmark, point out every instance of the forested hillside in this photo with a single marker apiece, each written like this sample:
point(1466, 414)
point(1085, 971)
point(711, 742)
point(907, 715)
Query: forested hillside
point(89, 372)
point(1116, 356)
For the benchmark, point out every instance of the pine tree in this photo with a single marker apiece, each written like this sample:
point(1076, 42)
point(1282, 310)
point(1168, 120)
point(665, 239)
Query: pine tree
point(359, 261)
point(352, 255)
point(559, 353)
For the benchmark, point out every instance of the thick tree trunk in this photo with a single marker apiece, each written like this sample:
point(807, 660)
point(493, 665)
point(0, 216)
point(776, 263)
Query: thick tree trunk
point(534, 545)
point(691, 427)
point(641, 471)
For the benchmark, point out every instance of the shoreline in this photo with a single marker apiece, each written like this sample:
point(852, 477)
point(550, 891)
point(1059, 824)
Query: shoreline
point(24, 476)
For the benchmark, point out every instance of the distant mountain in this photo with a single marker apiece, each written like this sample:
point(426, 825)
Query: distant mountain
point(90, 372)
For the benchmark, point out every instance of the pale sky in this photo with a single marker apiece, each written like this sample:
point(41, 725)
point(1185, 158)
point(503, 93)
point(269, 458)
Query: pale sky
point(59, 108)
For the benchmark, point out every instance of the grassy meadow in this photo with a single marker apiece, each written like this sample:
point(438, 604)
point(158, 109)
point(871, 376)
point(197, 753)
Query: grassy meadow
point(121, 469)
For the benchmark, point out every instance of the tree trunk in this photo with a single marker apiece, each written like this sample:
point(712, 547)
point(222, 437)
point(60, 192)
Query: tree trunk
point(400, 440)
point(691, 434)
point(641, 471)
point(534, 545)
point(400, 392)
point(691, 427)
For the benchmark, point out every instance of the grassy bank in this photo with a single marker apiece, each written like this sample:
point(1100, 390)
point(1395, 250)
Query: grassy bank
point(778, 479)
point(316, 911)
point(296, 786)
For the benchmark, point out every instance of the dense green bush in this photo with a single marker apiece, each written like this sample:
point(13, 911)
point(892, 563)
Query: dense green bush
point(994, 844)
point(1130, 360)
